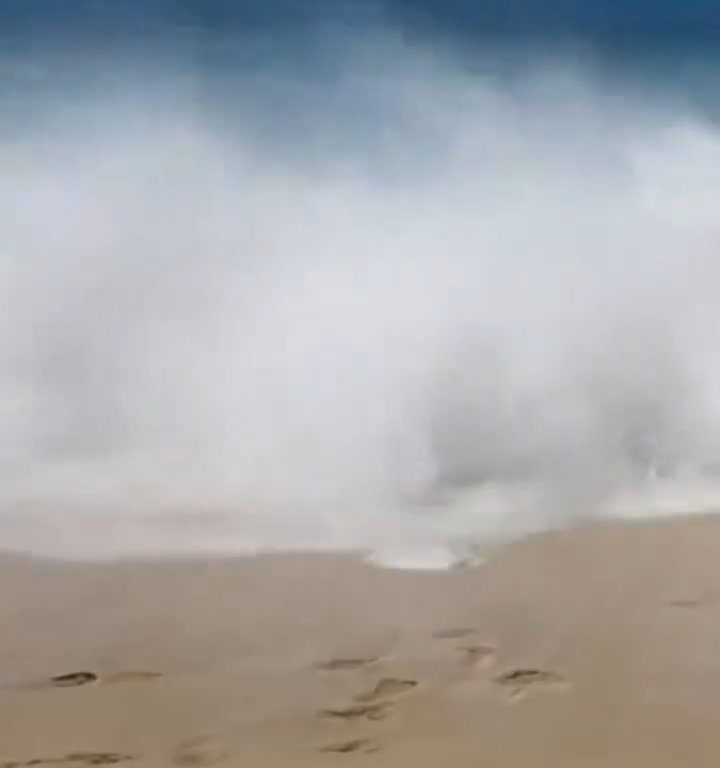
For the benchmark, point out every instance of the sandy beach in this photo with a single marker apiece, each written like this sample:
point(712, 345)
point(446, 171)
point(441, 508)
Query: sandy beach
point(592, 647)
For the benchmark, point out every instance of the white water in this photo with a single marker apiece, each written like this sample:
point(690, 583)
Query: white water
point(448, 309)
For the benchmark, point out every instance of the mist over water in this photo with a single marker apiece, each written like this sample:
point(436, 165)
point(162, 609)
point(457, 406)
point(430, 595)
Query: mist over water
point(405, 301)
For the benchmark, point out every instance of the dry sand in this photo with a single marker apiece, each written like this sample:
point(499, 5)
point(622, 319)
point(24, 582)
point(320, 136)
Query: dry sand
point(593, 647)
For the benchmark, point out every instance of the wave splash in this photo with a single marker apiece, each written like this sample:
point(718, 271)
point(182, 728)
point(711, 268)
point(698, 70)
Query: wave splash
point(420, 308)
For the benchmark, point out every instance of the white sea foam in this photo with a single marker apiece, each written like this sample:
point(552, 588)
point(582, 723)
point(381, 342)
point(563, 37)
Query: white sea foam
point(449, 309)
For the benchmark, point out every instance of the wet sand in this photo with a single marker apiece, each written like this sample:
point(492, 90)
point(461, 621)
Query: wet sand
point(592, 647)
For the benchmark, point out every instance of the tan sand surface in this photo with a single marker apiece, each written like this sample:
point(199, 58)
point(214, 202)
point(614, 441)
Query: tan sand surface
point(593, 647)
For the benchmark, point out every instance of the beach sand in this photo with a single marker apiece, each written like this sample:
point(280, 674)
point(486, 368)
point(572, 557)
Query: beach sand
point(598, 646)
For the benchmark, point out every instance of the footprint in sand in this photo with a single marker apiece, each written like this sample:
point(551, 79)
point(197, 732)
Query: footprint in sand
point(478, 656)
point(85, 677)
point(73, 679)
point(201, 751)
point(132, 676)
point(351, 746)
point(376, 710)
point(454, 633)
point(97, 758)
point(74, 758)
point(473, 654)
point(347, 664)
point(386, 688)
point(375, 704)
point(687, 603)
point(522, 680)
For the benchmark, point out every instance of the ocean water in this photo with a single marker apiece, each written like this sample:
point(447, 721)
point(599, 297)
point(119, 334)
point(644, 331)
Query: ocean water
point(403, 278)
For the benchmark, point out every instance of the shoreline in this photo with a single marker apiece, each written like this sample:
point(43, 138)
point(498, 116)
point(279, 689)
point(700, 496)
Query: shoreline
point(489, 549)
